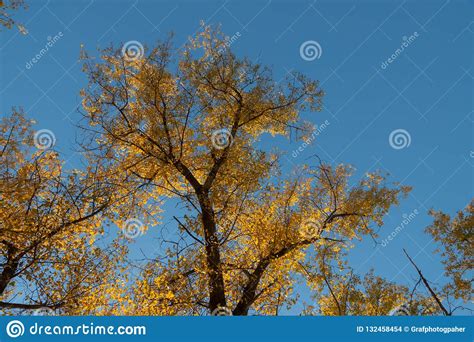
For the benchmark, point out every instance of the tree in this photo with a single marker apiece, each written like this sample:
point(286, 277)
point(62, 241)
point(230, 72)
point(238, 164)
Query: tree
point(347, 293)
point(342, 292)
point(455, 245)
point(184, 126)
point(6, 20)
point(50, 225)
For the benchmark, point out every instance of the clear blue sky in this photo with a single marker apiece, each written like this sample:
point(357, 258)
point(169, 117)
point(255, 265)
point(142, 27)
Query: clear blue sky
point(426, 90)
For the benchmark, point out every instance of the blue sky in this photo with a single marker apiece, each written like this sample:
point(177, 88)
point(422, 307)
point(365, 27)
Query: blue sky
point(426, 90)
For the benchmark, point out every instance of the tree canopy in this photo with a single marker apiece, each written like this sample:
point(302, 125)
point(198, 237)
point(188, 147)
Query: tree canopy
point(184, 126)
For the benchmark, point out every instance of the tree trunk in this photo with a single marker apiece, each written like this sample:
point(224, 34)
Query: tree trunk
point(9, 270)
point(216, 279)
point(250, 291)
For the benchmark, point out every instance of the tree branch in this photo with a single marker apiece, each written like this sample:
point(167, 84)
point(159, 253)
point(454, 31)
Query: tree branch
point(427, 285)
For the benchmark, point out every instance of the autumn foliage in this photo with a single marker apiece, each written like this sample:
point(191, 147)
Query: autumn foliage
point(184, 126)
